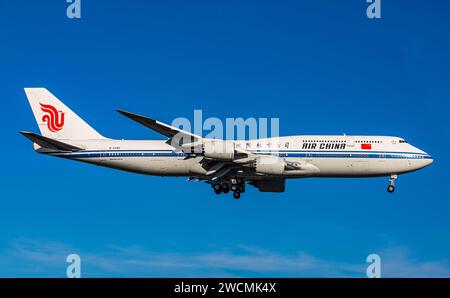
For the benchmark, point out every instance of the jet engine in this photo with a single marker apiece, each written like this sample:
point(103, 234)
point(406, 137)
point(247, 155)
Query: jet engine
point(273, 165)
point(219, 150)
point(270, 165)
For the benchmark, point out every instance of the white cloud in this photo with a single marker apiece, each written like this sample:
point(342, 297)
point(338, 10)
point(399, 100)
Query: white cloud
point(400, 262)
point(27, 257)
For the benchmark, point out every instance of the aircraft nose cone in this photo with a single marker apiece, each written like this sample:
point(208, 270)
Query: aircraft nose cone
point(428, 159)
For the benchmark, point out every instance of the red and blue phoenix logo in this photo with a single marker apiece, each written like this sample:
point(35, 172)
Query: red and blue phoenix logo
point(53, 117)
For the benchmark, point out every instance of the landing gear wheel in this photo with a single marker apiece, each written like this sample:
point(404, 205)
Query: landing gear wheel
point(241, 188)
point(234, 187)
point(225, 189)
point(217, 189)
point(391, 186)
point(236, 195)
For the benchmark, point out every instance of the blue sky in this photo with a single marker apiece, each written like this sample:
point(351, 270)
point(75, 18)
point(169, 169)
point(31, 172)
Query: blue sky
point(322, 67)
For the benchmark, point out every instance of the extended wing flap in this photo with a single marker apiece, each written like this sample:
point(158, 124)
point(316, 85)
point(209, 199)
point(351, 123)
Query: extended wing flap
point(49, 143)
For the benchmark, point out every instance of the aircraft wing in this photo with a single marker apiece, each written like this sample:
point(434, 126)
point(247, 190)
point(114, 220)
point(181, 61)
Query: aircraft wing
point(188, 142)
point(164, 129)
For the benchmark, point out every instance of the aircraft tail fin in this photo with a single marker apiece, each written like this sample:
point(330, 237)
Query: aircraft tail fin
point(55, 119)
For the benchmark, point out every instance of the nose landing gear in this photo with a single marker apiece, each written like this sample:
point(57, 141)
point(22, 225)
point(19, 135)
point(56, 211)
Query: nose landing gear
point(391, 186)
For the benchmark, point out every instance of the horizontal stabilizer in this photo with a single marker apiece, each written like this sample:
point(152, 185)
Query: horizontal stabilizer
point(49, 143)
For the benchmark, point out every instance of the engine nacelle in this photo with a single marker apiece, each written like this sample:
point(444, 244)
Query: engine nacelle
point(270, 165)
point(189, 148)
point(219, 150)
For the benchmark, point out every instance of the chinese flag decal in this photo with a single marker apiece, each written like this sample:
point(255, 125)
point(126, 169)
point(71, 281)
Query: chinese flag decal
point(366, 146)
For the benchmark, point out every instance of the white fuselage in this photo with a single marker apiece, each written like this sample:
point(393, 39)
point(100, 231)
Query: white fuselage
point(326, 156)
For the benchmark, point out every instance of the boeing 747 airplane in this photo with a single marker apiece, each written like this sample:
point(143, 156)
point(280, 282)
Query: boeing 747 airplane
point(227, 165)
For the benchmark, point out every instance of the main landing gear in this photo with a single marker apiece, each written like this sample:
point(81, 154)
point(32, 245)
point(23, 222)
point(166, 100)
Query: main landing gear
point(236, 185)
point(391, 186)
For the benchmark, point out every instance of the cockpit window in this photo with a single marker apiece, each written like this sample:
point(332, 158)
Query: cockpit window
point(402, 141)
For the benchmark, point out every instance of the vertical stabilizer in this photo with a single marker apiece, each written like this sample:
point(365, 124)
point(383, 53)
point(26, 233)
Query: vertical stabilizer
point(55, 119)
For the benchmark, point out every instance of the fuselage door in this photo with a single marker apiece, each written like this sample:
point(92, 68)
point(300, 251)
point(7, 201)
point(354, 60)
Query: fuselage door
point(350, 142)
